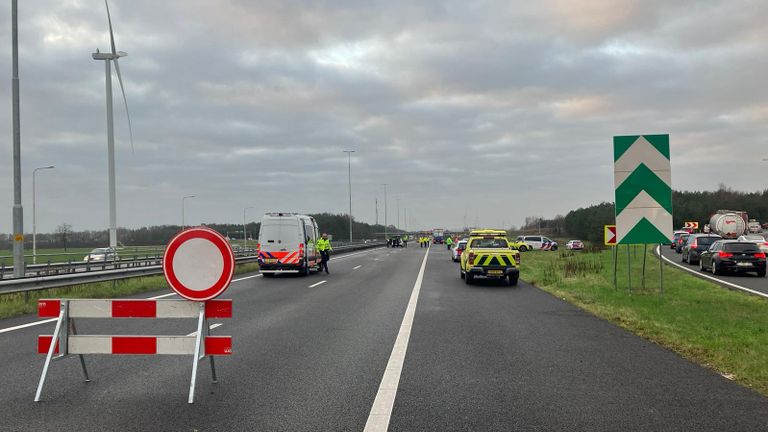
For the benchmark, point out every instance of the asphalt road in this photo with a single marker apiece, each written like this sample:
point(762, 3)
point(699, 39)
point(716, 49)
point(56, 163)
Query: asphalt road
point(747, 280)
point(481, 357)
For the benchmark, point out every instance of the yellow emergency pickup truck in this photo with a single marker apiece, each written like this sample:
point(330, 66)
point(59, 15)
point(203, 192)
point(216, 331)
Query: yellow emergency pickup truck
point(489, 254)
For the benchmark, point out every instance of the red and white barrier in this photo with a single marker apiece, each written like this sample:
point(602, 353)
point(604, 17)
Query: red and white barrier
point(65, 341)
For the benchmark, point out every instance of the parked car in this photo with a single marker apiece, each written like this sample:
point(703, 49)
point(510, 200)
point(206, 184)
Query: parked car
point(695, 245)
point(574, 245)
point(681, 239)
point(675, 235)
point(539, 242)
point(733, 256)
point(101, 255)
point(757, 239)
point(456, 252)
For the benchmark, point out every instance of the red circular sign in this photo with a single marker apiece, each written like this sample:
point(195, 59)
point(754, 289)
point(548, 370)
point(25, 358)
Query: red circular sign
point(198, 264)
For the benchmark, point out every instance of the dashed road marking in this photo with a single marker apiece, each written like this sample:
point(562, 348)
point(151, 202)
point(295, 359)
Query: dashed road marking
point(356, 267)
point(319, 283)
point(213, 326)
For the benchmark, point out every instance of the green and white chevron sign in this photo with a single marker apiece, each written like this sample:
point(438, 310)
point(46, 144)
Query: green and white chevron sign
point(643, 180)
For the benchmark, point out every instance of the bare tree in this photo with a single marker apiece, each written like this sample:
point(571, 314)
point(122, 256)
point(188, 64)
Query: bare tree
point(63, 232)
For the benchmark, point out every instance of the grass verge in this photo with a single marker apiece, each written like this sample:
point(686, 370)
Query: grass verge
point(18, 304)
point(726, 331)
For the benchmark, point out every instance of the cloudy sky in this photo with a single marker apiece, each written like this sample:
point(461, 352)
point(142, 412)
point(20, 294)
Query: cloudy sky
point(489, 110)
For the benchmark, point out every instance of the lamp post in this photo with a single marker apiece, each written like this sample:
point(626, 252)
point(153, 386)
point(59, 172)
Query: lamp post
point(18, 210)
point(385, 212)
point(34, 212)
point(349, 175)
point(245, 236)
point(182, 209)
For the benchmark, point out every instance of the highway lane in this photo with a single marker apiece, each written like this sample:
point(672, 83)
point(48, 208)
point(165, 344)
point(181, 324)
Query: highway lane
point(484, 357)
point(489, 357)
point(304, 359)
point(748, 280)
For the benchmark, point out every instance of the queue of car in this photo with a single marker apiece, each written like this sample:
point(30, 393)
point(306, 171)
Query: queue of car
point(711, 252)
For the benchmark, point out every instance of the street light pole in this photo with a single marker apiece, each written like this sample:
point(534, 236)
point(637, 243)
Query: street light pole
point(182, 209)
point(34, 212)
point(385, 211)
point(349, 175)
point(18, 211)
point(245, 236)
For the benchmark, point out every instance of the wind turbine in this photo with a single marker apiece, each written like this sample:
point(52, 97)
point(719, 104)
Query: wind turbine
point(108, 59)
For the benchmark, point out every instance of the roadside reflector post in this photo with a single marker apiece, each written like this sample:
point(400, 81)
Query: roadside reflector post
point(661, 273)
point(629, 269)
point(645, 254)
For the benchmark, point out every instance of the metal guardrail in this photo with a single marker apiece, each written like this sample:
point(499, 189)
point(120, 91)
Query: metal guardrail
point(37, 283)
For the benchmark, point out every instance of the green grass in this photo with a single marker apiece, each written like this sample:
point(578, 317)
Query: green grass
point(726, 331)
point(57, 255)
point(19, 304)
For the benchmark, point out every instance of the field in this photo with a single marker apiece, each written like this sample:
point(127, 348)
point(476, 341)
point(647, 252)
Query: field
point(726, 331)
point(75, 254)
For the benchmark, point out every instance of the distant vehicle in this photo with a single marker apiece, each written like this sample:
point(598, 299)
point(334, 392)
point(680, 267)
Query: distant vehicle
point(675, 236)
point(539, 242)
point(101, 255)
point(754, 227)
point(695, 245)
point(728, 224)
point(395, 241)
point(681, 239)
point(758, 239)
point(438, 236)
point(574, 245)
point(520, 245)
point(733, 256)
point(456, 252)
point(287, 244)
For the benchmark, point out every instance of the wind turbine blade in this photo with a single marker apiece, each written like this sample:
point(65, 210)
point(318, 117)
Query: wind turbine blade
point(111, 35)
point(125, 100)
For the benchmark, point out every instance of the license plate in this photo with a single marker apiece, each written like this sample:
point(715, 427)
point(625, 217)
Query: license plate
point(744, 264)
point(270, 261)
point(495, 272)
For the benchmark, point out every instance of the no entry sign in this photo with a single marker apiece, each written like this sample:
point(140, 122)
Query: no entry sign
point(198, 264)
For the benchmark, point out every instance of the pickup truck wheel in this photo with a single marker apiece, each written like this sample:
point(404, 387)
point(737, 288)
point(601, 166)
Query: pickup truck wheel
point(461, 273)
point(468, 278)
point(512, 280)
point(522, 248)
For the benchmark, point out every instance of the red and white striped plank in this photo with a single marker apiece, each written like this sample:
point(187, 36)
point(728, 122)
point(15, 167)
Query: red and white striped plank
point(138, 345)
point(134, 308)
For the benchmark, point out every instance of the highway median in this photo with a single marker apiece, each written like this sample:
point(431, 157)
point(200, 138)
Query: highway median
point(723, 330)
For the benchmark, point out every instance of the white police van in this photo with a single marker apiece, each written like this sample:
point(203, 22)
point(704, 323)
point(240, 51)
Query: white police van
point(287, 244)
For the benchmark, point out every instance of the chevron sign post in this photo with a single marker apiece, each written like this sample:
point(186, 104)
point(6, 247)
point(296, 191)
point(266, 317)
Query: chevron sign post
point(643, 181)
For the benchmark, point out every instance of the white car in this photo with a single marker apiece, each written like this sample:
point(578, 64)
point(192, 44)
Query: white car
point(456, 251)
point(574, 245)
point(539, 242)
point(756, 238)
point(101, 255)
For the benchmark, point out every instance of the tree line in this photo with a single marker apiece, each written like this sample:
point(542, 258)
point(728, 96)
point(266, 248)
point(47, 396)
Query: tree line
point(336, 225)
point(695, 206)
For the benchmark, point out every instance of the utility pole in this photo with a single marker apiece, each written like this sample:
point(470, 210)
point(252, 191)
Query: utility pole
point(18, 212)
point(349, 174)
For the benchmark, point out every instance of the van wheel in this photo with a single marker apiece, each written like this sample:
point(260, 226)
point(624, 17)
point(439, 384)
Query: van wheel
point(553, 248)
point(268, 275)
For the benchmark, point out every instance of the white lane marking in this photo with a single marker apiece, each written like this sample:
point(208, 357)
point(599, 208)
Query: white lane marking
point(356, 267)
point(19, 327)
point(319, 283)
point(700, 274)
point(381, 411)
point(45, 321)
point(213, 326)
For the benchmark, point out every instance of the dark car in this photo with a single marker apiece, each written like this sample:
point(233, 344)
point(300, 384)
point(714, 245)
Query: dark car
point(695, 245)
point(681, 239)
point(675, 236)
point(733, 256)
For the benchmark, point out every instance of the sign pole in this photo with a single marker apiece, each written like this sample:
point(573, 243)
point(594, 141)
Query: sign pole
point(615, 266)
point(645, 255)
point(629, 269)
point(661, 273)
